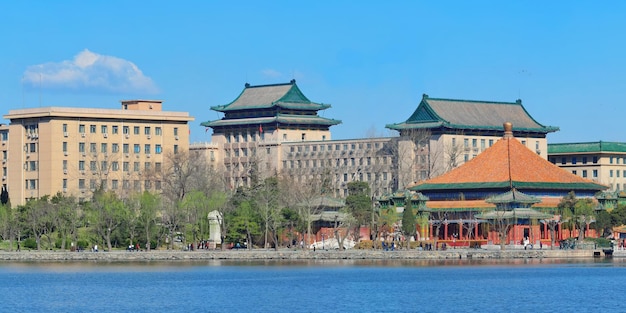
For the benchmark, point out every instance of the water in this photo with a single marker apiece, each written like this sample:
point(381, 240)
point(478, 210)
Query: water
point(330, 286)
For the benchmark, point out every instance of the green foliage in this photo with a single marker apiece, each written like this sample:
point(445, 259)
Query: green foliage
point(29, 243)
point(358, 202)
point(408, 221)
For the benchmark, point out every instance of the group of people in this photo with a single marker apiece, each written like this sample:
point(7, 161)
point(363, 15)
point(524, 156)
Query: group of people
point(135, 248)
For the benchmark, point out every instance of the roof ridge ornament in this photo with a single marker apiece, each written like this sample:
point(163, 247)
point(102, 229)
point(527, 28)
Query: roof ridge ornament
point(508, 130)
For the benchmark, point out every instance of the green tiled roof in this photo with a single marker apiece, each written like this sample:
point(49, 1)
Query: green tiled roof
point(513, 196)
point(506, 184)
point(279, 118)
point(586, 147)
point(266, 96)
point(471, 115)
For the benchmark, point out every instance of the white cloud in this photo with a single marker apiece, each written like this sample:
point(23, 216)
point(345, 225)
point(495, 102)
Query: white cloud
point(89, 71)
point(271, 73)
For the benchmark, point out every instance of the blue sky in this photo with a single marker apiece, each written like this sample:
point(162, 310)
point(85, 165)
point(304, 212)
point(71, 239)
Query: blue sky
point(371, 60)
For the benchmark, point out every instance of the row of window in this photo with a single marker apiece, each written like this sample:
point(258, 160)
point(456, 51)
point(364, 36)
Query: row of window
point(337, 147)
point(115, 184)
point(114, 166)
point(574, 160)
point(104, 129)
point(336, 162)
point(115, 148)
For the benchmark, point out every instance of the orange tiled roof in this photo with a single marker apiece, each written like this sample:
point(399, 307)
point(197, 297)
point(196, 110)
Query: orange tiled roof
point(548, 202)
point(508, 160)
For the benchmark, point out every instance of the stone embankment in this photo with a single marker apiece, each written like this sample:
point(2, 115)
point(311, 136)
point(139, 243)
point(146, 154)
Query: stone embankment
point(251, 255)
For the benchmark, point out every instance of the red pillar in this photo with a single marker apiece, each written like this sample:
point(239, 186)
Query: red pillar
point(460, 230)
point(430, 225)
point(445, 231)
point(475, 230)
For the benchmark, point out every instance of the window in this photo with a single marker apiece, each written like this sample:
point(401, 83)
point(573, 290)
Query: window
point(175, 131)
point(92, 147)
point(136, 148)
point(33, 147)
point(146, 130)
point(125, 130)
point(482, 144)
point(92, 129)
point(474, 142)
point(595, 173)
point(114, 129)
point(490, 142)
point(92, 166)
point(584, 173)
point(175, 149)
point(584, 160)
point(158, 149)
point(115, 166)
point(125, 166)
point(563, 160)
point(158, 131)
point(466, 143)
point(573, 160)
point(65, 164)
point(81, 165)
point(595, 160)
point(147, 166)
point(104, 165)
point(64, 146)
point(611, 173)
point(103, 148)
point(157, 167)
point(146, 149)
point(611, 160)
point(574, 172)
point(81, 184)
point(104, 129)
point(115, 148)
point(114, 184)
point(64, 183)
point(81, 147)
point(125, 147)
point(136, 130)
point(136, 166)
point(81, 128)
point(65, 128)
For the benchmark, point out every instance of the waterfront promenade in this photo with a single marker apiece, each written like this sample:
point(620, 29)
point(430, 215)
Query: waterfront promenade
point(284, 254)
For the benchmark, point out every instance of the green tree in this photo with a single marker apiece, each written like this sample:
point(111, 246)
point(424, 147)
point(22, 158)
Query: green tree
point(35, 217)
point(106, 213)
point(359, 204)
point(267, 199)
point(584, 215)
point(408, 220)
point(244, 224)
point(66, 218)
point(149, 204)
point(8, 224)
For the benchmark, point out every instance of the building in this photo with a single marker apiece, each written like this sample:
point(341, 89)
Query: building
point(76, 150)
point(507, 172)
point(601, 161)
point(270, 129)
point(442, 134)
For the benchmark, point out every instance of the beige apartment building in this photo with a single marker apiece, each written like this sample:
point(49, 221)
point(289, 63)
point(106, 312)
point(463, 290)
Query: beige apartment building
point(76, 150)
point(601, 161)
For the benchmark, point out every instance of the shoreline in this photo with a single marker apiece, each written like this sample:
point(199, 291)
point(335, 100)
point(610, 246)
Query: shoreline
point(303, 255)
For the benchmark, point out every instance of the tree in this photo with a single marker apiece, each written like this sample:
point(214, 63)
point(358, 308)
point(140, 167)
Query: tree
point(408, 220)
point(8, 224)
point(4, 196)
point(359, 203)
point(149, 204)
point(106, 213)
point(583, 215)
point(35, 216)
point(267, 197)
point(66, 217)
point(244, 224)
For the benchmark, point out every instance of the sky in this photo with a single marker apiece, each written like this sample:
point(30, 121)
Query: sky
point(371, 60)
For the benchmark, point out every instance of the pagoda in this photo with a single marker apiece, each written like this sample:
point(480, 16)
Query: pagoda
point(508, 169)
point(277, 112)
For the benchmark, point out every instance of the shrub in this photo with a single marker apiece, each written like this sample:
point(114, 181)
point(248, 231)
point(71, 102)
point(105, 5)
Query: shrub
point(29, 243)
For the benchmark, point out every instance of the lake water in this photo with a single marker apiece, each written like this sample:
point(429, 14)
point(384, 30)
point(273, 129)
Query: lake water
point(328, 286)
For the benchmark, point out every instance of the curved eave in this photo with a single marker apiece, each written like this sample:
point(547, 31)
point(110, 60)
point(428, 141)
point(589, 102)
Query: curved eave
point(454, 187)
point(267, 120)
point(437, 124)
point(311, 106)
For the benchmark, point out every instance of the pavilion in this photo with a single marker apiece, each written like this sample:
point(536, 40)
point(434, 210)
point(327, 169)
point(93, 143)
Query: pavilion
point(507, 176)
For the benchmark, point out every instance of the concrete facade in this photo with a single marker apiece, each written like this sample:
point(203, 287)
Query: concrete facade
point(76, 150)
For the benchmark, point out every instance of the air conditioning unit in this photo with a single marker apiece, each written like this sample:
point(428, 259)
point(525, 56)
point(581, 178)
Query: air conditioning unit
point(64, 189)
point(149, 136)
point(82, 135)
point(36, 136)
point(64, 171)
point(105, 135)
point(4, 178)
point(82, 172)
point(147, 156)
point(4, 161)
point(176, 137)
point(4, 142)
point(83, 155)
point(126, 155)
point(65, 153)
point(27, 155)
point(65, 134)
point(126, 136)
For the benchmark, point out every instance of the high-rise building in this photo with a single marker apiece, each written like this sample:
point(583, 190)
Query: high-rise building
point(76, 150)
